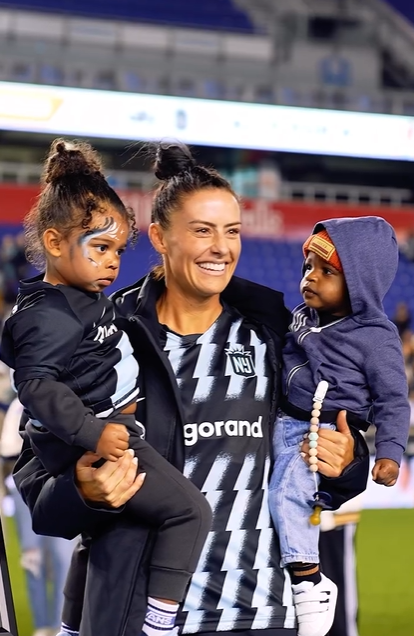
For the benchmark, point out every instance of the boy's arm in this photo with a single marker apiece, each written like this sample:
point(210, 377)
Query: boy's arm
point(387, 380)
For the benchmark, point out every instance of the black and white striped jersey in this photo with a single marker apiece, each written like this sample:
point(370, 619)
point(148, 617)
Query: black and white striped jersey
point(225, 383)
point(68, 335)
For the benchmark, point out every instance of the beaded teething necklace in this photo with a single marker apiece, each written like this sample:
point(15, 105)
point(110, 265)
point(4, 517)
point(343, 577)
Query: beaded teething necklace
point(313, 436)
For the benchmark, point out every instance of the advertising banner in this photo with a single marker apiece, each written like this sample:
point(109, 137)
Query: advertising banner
point(104, 114)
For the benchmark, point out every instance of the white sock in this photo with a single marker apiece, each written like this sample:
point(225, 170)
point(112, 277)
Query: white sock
point(160, 617)
point(65, 629)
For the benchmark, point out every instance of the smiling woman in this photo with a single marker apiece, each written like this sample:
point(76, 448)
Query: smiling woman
point(196, 229)
point(201, 246)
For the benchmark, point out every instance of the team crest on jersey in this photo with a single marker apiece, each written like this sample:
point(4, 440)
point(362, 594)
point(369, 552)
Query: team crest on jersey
point(241, 361)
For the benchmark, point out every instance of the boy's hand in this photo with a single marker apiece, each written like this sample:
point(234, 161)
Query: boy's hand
point(113, 442)
point(385, 472)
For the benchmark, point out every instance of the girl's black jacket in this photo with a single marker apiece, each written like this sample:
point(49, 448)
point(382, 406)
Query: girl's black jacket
point(56, 506)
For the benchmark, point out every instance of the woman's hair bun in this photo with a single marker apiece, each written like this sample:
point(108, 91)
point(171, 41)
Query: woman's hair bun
point(172, 159)
point(68, 158)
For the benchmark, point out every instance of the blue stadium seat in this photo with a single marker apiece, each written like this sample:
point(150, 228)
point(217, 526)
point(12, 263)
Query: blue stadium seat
point(212, 89)
point(49, 74)
point(405, 7)
point(211, 14)
point(277, 264)
point(130, 81)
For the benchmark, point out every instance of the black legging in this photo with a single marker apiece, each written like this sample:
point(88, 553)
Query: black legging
point(167, 502)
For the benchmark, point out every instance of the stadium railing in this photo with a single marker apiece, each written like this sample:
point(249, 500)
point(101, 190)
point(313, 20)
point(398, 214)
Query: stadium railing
point(26, 173)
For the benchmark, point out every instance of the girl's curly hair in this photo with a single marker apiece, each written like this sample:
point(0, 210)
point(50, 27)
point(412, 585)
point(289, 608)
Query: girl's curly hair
point(74, 188)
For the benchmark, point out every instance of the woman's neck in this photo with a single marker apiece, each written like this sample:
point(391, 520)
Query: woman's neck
point(187, 315)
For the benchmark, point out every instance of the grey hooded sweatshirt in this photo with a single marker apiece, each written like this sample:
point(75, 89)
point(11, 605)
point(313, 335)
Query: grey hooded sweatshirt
point(359, 355)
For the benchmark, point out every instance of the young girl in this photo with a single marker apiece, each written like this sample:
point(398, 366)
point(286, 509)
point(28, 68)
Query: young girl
point(76, 375)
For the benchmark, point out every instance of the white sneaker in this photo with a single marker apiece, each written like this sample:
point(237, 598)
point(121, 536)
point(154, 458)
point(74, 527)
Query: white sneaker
point(315, 606)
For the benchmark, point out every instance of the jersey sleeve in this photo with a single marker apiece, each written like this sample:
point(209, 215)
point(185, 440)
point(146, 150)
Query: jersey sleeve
point(44, 337)
point(61, 412)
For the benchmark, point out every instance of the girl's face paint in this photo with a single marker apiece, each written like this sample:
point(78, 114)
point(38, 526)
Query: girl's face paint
point(110, 229)
point(90, 259)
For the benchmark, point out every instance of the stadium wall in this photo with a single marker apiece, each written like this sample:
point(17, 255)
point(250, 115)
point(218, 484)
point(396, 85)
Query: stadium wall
point(261, 219)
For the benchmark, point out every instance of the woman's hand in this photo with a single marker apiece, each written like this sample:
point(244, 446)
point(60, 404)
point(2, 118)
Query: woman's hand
point(335, 448)
point(113, 484)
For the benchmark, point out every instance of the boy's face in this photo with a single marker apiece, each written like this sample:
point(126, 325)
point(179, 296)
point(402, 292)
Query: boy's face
point(324, 288)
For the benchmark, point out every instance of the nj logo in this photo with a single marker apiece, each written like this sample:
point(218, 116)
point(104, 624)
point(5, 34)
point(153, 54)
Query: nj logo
point(241, 361)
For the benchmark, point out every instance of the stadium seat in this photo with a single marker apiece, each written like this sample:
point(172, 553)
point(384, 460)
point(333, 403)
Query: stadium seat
point(22, 72)
point(130, 81)
point(276, 264)
point(49, 74)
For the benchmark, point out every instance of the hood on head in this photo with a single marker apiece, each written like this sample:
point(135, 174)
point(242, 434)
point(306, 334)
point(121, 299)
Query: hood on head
point(368, 250)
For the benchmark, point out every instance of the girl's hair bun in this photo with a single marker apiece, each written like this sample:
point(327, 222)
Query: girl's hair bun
point(69, 158)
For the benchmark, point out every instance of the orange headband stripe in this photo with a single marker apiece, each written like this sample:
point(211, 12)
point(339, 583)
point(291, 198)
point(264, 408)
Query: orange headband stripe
point(321, 244)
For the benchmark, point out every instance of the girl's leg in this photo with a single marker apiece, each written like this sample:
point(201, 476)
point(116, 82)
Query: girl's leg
point(181, 516)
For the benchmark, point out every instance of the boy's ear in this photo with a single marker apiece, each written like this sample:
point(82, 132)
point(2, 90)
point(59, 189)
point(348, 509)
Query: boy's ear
point(52, 239)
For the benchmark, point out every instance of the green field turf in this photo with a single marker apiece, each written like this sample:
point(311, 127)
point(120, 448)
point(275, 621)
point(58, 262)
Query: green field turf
point(385, 553)
point(385, 565)
point(24, 619)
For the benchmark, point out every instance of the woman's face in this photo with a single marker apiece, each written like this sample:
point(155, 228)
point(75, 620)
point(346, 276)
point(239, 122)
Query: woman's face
point(202, 245)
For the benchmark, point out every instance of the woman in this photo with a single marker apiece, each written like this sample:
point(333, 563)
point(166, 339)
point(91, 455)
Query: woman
point(209, 349)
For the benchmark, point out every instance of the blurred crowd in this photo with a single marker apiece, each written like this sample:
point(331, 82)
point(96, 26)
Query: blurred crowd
point(403, 321)
point(13, 267)
point(44, 560)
